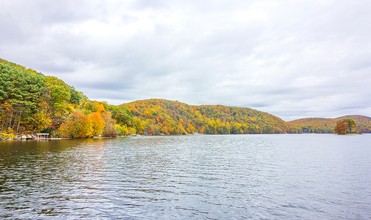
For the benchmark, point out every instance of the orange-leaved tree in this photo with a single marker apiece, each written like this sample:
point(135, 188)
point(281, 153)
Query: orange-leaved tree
point(345, 126)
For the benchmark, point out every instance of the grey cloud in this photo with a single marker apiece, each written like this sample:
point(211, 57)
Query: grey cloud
point(292, 58)
point(114, 85)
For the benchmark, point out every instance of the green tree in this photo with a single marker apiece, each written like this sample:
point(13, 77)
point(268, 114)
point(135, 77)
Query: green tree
point(21, 90)
point(59, 95)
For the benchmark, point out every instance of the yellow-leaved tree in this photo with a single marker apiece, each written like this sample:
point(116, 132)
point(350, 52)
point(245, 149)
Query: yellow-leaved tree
point(97, 122)
point(77, 126)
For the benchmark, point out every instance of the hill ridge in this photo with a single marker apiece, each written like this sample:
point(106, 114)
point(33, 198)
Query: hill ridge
point(326, 125)
point(31, 102)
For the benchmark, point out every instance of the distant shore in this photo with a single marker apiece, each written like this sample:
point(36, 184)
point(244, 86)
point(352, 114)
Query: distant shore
point(137, 135)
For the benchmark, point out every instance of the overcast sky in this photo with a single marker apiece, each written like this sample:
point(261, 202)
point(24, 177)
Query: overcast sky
point(291, 58)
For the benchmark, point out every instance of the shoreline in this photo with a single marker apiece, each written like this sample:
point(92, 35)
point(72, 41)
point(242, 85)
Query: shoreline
point(138, 136)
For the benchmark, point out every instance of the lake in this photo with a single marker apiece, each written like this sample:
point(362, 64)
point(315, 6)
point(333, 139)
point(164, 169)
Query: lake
point(184, 177)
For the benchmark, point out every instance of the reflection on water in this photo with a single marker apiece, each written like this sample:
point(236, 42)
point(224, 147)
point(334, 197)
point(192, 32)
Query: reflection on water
point(215, 177)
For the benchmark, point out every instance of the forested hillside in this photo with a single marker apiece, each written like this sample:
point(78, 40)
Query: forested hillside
point(327, 125)
point(31, 102)
point(158, 116)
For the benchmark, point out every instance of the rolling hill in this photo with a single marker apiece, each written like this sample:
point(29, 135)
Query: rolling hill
point(326, 125)
point(31, 102)
point(161, 116)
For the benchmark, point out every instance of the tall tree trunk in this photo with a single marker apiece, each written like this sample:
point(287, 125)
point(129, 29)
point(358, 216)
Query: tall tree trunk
point(19, 121)
point(9, 125)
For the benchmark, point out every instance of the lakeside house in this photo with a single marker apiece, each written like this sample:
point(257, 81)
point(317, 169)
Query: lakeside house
point(42, 136)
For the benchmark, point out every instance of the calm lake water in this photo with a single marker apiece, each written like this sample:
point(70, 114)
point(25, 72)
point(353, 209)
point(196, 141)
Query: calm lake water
point(183, 177)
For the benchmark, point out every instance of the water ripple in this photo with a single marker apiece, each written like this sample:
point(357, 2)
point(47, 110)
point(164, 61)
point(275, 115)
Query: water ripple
point(182, 177)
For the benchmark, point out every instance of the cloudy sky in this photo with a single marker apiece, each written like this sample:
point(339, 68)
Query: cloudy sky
point(292, 58)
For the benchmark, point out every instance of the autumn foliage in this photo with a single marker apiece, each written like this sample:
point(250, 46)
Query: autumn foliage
point(31, 102)
point(80, 125)
point(327, 125)
point(345, 126)
point(164, 117)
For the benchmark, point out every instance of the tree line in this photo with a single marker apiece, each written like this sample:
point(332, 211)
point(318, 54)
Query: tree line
point(31, 102)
